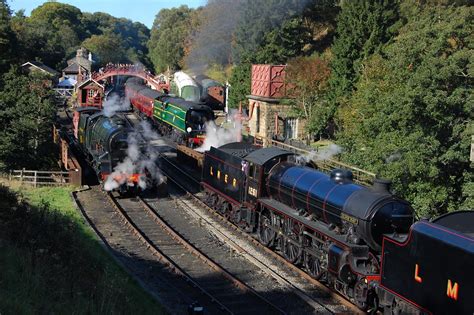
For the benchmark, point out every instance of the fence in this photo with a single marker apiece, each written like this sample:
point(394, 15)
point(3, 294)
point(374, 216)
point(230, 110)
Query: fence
point(360, 176)
point(40, 178)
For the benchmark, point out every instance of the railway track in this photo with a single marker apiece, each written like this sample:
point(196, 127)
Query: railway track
point(318, 296)
point(155, 275)
point(219, 287)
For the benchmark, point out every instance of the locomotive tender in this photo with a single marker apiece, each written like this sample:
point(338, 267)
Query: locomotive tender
point(336, 229)
point(174, 116)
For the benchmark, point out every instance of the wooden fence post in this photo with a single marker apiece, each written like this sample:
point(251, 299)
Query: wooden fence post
point(36, 175)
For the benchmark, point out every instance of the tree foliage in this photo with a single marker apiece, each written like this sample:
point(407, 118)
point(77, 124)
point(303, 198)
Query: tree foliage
point(26, 118)
point(408, 119)
point(132, 36)
point(239, 84)
point(362, 29)
point(106, 48)
point(307, 79)
point(7, 37)
point(54, 32)
point(170, 30)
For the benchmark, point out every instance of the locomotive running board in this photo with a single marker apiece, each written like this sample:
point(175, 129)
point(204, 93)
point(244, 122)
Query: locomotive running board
point(283, 209)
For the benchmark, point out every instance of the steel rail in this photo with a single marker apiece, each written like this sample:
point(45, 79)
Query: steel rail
point(192, 249)
point(125, 219)
point(340, 298)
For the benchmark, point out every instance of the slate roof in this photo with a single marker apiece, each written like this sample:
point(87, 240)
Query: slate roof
point(74, 68)
point(41, 66)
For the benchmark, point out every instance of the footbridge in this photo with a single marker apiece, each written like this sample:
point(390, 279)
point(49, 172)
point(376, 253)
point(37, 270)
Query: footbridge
point(159, 83)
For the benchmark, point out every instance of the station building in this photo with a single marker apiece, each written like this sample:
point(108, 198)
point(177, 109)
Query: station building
point(269, 114)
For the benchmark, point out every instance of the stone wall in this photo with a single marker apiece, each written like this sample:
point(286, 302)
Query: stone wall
point(264, 112)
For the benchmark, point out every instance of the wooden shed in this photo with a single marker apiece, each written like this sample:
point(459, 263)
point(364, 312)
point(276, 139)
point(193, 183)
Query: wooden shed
point(90, 93)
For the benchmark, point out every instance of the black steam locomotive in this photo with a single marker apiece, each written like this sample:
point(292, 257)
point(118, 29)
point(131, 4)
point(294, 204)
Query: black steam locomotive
point(351, 237)
point(104, 142)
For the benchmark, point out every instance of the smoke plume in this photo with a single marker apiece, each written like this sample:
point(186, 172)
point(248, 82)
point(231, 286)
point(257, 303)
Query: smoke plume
point(115, 103)
point(212, 43)
point(141, 158)
point(393, 157)
point(320, 155)
point(217, 136)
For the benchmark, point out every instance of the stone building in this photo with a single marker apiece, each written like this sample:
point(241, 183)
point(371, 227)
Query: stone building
point(269, 115)
point(79, 68)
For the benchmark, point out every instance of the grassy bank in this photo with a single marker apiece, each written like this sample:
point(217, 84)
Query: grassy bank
point(50, 262)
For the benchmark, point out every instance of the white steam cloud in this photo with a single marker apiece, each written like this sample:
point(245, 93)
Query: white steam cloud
point(393, 157)
point(141, 158)
point(218, 136)
point(115, 103)
point(320, 155)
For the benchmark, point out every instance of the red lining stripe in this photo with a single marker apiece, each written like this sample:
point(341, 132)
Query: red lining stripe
point(293, 189)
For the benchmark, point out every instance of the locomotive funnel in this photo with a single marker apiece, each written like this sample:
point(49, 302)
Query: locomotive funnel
point(381, 185)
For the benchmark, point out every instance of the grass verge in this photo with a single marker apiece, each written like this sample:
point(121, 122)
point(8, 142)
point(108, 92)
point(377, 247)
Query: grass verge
point(51, 262)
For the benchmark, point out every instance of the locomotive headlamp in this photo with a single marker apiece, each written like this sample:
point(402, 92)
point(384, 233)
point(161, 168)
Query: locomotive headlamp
point(188, 129)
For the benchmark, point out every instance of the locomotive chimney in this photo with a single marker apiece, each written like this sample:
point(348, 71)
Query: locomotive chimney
point(341, 176)
point(381, 185)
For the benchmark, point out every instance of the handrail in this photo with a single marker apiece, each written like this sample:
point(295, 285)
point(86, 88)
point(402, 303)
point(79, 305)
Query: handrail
point(360, 176)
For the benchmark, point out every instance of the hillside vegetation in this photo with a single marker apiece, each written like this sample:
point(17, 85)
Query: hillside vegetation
point(390, 82)
point(51, 262)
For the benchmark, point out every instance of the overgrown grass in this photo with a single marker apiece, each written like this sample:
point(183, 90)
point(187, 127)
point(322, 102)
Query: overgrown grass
point(51, 262)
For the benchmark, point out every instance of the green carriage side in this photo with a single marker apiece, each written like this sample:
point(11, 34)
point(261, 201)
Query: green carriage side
point(186, 118)
point(167, 110)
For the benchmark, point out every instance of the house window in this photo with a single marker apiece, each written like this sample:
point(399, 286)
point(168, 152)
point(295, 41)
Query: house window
point(291, 128)
point(91, 93)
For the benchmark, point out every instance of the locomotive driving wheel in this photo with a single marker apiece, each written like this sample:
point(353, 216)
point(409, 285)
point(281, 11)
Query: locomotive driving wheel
point(265, 233)
point(313, 265)
point(292, 248)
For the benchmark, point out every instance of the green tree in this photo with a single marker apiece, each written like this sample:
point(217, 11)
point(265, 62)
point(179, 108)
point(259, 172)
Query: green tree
point(106, 48)
point(409, 117)
point(284, 43)
point(133, 35)
point(170, 30)
point(26, 118)
point(307, 79)
point(362, 29)
point(239, 84)
point(7, 37)
point(52, 33)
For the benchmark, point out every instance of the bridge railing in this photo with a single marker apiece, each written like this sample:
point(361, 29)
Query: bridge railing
point(130, 70)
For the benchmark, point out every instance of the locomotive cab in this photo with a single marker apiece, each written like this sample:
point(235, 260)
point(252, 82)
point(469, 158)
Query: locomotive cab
point(259, 163)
